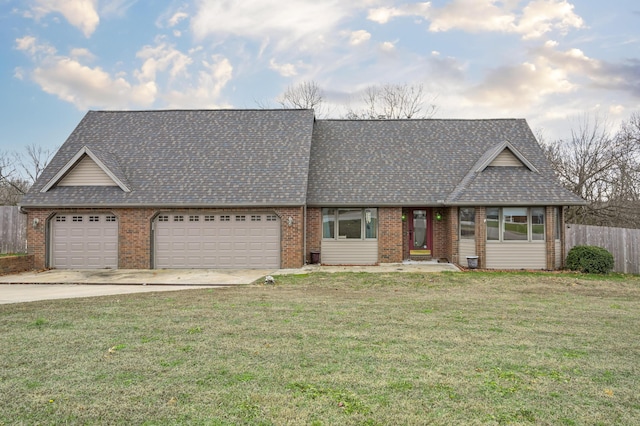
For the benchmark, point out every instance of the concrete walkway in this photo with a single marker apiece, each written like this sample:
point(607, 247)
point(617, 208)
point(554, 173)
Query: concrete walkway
point(65, 284)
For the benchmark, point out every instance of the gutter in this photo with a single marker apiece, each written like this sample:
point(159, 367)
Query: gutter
point(182, 206)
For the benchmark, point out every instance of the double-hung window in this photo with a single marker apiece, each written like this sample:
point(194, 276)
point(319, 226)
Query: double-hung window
point(515, 223)
point(467, 223)
point(349, 223)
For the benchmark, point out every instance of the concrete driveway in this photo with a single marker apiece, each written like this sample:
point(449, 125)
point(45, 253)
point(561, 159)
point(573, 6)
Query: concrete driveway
point(65, 284)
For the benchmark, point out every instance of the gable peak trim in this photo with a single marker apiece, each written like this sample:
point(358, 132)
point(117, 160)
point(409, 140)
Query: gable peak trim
point(84, 151)
point(493, 153)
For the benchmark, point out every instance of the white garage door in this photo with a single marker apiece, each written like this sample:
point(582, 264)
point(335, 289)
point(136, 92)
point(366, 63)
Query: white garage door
point(84, 241)
point(239, 240)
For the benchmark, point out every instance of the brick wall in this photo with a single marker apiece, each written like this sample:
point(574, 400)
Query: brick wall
point(314, 231)
point(549, 227)
point(441, 242)
point(37, 236)
point(481, 236)
point(390, 235)
point(134, 233)
point(291, 237)
point(453, 238)
point(15, 264)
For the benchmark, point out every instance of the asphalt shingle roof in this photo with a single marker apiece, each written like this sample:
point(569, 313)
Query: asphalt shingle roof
point(245, 158)
point(189, 158)
point(423, 162)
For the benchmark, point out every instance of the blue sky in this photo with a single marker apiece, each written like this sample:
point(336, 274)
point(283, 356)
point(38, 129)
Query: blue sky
point(548, 61)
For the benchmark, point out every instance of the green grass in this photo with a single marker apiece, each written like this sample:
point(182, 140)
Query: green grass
point(12, 254)
point(327, 349)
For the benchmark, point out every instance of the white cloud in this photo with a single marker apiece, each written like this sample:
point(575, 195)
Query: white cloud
point(176, 18)
point(359, 37)
point(160, 58)
point(537, 18)
point(82, 14)
point(116, 7)
point(387, 46)
point(301, 23)
point(520, 86)
point(211, 80)
point(30, 45)
point(78, 53)
point(87, 87)
point(285, 70)
point(382, 15)
point(542, 16)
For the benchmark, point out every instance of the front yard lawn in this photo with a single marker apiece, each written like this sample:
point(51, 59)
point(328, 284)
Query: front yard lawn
point(332, 349)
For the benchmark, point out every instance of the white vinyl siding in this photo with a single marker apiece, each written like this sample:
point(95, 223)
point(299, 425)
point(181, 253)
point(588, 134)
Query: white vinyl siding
point(349, 252)
point(516, 255)
point(86, 173)
point(467, 248)
point(506, 159)
point(558, 258)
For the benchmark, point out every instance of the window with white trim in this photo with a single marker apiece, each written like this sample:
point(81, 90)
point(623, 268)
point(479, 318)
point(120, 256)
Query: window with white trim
point(467, 220)
point(349, 223)
point(515, 223)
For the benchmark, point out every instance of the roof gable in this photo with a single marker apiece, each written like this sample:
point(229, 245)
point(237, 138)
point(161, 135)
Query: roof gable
point(195, 158)
point(493, 156)
point(85, 168)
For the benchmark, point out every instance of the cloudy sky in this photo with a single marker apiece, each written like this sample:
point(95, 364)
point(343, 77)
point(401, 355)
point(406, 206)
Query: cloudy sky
point(548, 61)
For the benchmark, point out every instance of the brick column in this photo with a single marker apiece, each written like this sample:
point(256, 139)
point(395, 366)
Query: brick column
point(549, 228)
point(481, 236)
point(390, 236)
point(314, 231)
point(37, 236)
point(134, 238)
point(291, 237)
point(453, 253)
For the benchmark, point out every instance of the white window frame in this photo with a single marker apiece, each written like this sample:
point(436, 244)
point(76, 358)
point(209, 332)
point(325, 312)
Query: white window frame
point(501, 226)
point(367, 215)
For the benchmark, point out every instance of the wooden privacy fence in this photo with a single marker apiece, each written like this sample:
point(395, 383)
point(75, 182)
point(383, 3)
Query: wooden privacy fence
point(624, 244)
point(13, 230)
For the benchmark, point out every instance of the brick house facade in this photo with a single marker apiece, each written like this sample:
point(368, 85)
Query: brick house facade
point(344, 188)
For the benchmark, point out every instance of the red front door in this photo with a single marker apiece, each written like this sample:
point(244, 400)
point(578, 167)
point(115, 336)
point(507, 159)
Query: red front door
point(420, 234)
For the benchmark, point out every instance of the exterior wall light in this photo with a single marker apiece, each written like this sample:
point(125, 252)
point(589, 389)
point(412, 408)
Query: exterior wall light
point(438, 216)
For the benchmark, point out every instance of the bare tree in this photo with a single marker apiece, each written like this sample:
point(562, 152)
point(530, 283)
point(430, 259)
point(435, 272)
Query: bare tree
point(602, 167)
point(34, 160)
point(18, 171)
point(395, 101)
point(306, 95)
point(12, 186)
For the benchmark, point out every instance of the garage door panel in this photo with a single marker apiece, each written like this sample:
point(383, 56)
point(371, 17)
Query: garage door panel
point(84, 241)
point(217, 241)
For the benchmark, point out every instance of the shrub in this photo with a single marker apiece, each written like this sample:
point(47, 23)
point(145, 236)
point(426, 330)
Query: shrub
point(590, 260)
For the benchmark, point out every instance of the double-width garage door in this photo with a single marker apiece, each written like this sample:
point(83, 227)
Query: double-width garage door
point(229, 240)
point(84, 241)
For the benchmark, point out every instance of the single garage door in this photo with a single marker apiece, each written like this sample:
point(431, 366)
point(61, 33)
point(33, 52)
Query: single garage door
point(84, 241)
point(239, 240)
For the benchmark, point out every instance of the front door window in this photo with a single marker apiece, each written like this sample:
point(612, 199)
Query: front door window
point(420, 229)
